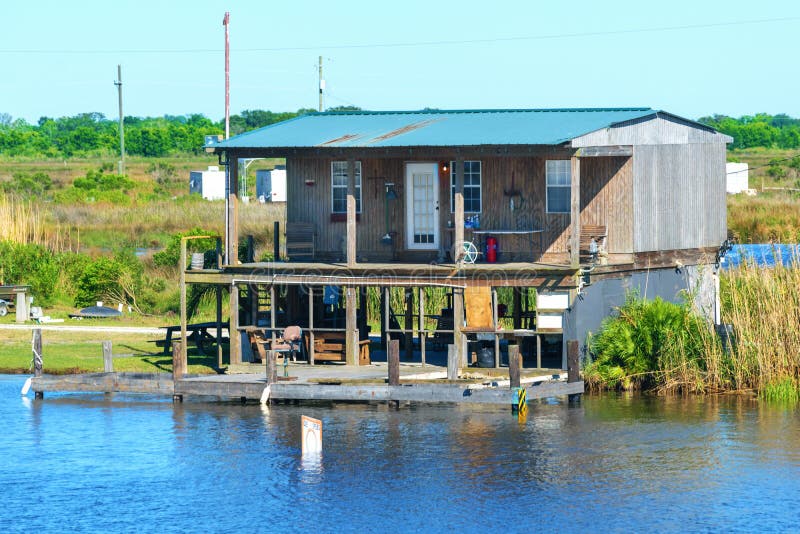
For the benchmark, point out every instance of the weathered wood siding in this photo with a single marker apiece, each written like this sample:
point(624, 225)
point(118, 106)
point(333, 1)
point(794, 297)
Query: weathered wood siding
point(661, 129)
point(606, 198)
point(679, 196)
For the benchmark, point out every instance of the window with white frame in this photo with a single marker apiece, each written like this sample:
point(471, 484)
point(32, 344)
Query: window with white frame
point(339, 186)
point(559, 182)
point(472, 186)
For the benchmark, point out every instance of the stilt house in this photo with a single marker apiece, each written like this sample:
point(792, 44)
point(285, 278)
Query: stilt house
point(576, 206)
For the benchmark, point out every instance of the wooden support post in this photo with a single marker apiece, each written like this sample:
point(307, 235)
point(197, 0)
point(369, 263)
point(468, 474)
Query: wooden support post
point(458, 325)
point(538, 351)
point(184, 319)
point(310, 325)
point(575, 213)
point(272, 367)
point(495, 320)
point(452, 362)
point(386, 322)
point(363, 325)
point(276, 241)
point(351, 327)
point(421, 328)
point(232, 246)
point(252, 296)
point(514, 365)
point(393, 360)
point(458, 216)
point(38, 359)
point(108, 358)
point(178, 368)
point(218, 293)
point(235, 341)
point(408, 324)
point(351, 212)
point(573, 366)
point(273, 315)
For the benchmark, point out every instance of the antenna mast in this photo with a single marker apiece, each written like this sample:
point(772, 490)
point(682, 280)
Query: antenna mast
point(225, 22)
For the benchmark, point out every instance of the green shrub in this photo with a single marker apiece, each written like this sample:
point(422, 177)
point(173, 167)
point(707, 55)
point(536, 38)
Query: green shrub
point(644, 343)
point(33, 265)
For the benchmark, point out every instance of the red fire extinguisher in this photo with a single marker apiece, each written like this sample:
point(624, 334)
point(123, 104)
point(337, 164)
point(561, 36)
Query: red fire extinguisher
point(491, 249)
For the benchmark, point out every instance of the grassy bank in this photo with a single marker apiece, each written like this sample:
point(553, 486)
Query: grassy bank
point(668, 348)
point(70, 352)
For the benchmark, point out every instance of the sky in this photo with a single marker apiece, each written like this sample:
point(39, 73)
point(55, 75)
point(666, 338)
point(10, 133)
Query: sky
point(690, 57)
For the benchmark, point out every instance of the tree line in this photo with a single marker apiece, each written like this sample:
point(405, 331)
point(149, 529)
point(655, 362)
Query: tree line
point(89, 134)
point(760, 130)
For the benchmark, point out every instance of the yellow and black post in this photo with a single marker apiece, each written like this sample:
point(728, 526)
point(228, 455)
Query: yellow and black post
point(519, 402)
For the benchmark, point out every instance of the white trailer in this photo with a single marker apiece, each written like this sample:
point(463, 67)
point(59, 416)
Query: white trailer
point(210, 184)
point(271, 185)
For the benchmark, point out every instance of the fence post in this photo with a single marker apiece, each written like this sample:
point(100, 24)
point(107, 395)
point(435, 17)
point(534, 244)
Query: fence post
point(108, 358)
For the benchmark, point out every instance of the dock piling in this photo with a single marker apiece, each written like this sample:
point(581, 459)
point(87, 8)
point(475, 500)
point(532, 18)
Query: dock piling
point(514, 366)
point(573, 367)
point(393, 359)
point(178, 368)
point(38, 362)
point(108, 358)
point(452, 362)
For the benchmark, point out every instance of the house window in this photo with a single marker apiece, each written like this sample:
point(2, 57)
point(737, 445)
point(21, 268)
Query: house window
point(339, 186)
point(472, 186)
point(559, 183)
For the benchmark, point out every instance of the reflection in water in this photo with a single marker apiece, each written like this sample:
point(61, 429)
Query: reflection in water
point(125, 463)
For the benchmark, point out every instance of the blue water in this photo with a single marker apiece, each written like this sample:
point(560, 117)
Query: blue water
point(124, 463)
point(763, 255)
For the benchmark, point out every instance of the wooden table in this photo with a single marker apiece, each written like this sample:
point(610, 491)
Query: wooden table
point(198, 333)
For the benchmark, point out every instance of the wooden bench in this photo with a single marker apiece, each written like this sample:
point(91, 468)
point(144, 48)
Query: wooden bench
point(300, 240)
point(330, 347)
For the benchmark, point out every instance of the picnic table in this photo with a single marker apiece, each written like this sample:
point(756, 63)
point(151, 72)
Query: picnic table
point(197, 333)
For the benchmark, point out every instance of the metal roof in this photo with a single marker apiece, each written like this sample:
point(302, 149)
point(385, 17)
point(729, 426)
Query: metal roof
point(363, 129)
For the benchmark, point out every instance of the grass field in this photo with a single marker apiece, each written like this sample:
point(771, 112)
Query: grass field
point(68, 352)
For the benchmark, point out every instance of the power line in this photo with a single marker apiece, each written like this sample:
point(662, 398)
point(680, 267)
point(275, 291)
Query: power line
point(770, 164)
point(410, 44)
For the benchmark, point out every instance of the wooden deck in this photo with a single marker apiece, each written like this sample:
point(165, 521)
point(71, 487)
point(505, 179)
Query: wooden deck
point(336, 383)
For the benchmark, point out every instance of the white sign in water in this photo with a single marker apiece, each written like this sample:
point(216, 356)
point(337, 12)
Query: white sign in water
point(311, 435)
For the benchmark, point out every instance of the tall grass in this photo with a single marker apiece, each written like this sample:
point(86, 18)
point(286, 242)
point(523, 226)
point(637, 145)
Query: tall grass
point(24, 223)
point(768, 217)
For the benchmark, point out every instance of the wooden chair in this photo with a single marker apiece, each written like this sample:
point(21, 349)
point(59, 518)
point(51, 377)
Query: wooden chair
point(300, 238)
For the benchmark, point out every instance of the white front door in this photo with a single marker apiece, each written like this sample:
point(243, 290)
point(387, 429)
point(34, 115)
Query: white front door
point(422, 206)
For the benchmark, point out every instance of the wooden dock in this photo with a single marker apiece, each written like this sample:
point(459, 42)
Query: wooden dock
point(366, 385)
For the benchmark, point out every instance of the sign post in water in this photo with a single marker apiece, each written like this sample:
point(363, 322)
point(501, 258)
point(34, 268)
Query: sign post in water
point(311, 435)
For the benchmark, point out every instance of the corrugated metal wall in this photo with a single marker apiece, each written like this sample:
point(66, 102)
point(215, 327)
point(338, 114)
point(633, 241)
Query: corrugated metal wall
point(651, 131)
point(679, 196)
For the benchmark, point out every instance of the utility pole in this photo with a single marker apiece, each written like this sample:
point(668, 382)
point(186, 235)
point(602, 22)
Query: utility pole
point(321, 83)
point(225, 22)
point(118, 83)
